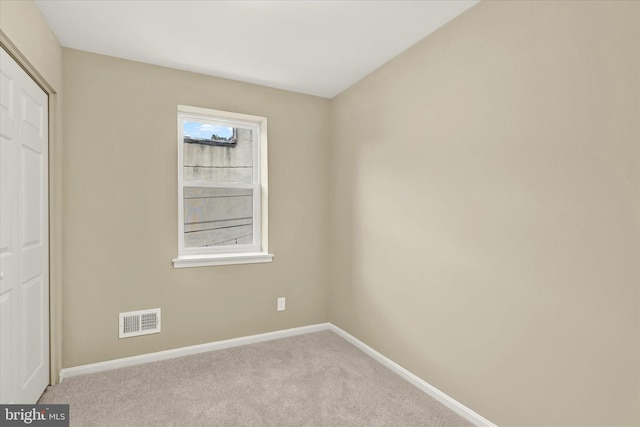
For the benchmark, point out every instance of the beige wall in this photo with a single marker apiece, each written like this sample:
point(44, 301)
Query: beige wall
point(26, 35)
point(22, 23)
point(485, 211)
point(120, 223)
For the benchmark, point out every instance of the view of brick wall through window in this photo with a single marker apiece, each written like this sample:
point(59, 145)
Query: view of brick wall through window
point(218, 216)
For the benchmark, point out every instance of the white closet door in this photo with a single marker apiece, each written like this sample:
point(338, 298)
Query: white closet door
point(24, 236)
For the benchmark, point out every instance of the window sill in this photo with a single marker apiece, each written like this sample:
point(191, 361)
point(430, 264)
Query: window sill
point(221, 259)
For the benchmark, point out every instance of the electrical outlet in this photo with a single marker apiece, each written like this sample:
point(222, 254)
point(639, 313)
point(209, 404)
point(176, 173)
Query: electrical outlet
point(282, 301)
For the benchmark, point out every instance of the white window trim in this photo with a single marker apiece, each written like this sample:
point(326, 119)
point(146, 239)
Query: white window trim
point(199, 257)
point(222, 259)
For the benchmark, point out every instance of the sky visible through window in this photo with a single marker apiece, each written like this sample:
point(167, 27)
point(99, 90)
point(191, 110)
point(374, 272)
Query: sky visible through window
point(206, 130)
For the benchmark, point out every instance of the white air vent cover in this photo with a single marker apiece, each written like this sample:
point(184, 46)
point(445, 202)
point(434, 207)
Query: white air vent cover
point(143, 322)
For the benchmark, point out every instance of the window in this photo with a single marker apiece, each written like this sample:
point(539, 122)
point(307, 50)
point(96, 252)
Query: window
point(222, 182)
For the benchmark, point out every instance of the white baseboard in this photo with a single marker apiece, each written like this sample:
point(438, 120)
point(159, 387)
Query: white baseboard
point(186, 351)
point(441, 397)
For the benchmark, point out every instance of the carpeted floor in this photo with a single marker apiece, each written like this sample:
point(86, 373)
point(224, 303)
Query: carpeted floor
point(317, 379)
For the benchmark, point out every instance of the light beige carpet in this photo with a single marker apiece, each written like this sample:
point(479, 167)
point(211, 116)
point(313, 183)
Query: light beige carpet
point(317, 379)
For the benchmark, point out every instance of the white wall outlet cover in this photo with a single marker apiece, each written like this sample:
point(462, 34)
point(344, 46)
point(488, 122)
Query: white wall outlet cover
point(281, 304)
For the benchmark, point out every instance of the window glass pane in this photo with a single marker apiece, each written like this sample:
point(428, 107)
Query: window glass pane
point(217, 217)
point(215, 153)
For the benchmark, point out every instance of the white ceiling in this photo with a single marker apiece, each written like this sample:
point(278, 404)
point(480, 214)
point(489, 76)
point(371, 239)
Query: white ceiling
point(315, 47)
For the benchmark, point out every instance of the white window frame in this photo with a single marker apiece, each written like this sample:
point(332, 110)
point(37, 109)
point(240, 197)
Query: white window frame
point(233, 254)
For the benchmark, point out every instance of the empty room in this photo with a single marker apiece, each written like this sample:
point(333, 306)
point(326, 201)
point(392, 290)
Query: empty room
point(320, 213)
